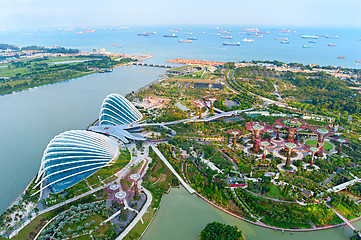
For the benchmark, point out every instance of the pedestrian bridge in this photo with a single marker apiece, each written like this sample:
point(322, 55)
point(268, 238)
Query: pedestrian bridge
point(152, 65)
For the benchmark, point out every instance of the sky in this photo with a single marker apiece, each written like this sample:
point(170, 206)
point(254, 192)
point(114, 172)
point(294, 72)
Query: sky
point(15, 14)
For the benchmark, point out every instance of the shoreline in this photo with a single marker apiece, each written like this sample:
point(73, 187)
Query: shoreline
point(199, 195)
point(20, 89)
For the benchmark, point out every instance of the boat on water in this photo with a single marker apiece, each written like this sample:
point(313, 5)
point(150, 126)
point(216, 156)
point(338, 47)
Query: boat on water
point(226, 37)
point(312, 42)
point(306, 46)
point(185, 41)
point(281, 39)
point(143, 34)
point(170, 36)
point(250, 30)
point(331, 45)
point(333, 37)
point(202, 32)
point(285, 42)
point(79, 32)
point(215, 34)
point(247, 40)
point(191, 38)
point(358, 61)
point(254, 35)
point(340, 57)
point(232, 44)
point(310, 36)
point(114, 45)
point(89, 31)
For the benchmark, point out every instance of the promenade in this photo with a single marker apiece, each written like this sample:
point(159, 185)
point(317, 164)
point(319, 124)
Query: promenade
point(139, 215)
point(161, 156)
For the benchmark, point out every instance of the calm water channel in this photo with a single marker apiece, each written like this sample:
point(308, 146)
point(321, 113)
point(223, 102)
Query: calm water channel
point(182, 216)
point(31, 118)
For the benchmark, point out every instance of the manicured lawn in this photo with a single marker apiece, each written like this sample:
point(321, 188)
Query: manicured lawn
point(140, 227)
point(313, 143)
point(33, 227)
point(274, 192)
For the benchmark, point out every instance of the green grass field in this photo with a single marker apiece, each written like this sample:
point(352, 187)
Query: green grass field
point(313, 143)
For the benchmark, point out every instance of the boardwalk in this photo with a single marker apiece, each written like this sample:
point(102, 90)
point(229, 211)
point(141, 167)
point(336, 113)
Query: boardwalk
point(345, 220)
point(139, 216)
point(185, 185)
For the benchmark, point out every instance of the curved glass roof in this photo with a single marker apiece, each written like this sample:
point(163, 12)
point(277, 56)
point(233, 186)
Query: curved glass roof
point(72, 156)
point(117, 110)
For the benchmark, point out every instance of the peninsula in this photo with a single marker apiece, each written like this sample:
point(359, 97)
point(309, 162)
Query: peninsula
point(273, 144)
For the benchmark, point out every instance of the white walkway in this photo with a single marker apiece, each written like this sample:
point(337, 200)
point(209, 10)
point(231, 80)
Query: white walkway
point(185, 185)
point(139, 215)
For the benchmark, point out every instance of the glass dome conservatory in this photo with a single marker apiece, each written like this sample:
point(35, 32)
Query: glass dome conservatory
point(73, 156)
point(117, 110)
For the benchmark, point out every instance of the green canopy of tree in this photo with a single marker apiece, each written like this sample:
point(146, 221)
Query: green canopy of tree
point(220, 231)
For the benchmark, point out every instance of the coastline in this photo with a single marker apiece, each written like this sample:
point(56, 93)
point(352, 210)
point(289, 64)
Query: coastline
point(20, 89)
point(199, 195)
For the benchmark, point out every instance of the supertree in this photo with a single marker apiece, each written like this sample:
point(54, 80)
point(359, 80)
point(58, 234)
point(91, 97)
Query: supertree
point(234, 133)
point(278, 127)
point(313, 150)
point(291, 124)
point(321, 132)
point(290, 146)
point(135, 177)
point(199, 105)
point(264, 144)
point(257, 129)
point(341, 141)
point(120, 197)
point(212, 100)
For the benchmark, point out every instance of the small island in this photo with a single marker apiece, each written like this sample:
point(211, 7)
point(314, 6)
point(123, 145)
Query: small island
point(220, 231)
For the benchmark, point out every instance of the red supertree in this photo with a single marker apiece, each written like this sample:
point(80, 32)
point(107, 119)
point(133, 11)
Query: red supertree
point(199, 105)
point(322, 132)
point(278, 127)
point(212, 100)
point(341, 141)
point(256, 128)
point(291, 124)
point(234, 133)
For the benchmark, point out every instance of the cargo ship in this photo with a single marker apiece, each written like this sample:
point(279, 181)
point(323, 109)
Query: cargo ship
point(331, 45)
point(226, 37)
point(185, 41)
point(285, 42)
point(232, 44)
point(191, 38)
point(170, 36)
point(143, 34)
point(340, 57)
point(312, 42)
point(308, 36)
point(333, 37)
point(281, 39)
point(247, 40)
point(306, 46)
